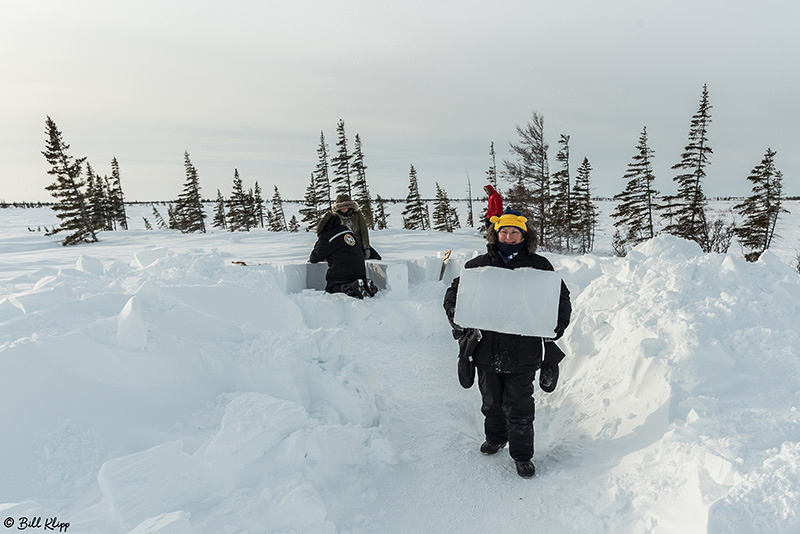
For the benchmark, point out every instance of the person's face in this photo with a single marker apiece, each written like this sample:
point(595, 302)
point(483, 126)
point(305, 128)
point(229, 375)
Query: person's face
point(344, 210)
point(510, 235)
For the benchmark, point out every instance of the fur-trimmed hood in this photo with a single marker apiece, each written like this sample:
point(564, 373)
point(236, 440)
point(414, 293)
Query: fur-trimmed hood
point(329, 220)
point(344, 201)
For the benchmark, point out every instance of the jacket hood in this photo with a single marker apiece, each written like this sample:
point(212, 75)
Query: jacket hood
point(489, 189)
point(328, 221)
point(344, 201)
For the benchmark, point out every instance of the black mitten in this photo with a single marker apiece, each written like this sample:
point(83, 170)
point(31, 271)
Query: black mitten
point(548, 377)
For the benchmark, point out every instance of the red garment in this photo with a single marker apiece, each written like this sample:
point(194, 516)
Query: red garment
point(495, 202)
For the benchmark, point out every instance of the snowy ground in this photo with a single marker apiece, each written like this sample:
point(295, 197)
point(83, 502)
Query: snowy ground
point(152, 386)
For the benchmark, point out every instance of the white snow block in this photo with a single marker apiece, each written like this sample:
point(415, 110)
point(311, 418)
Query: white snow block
point(290, 277)
point(132, 329)
point(392, 277)
point(513, 301)
point(315, 275)
point(152, 482)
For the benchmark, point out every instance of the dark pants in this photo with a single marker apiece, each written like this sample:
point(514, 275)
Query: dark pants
point(508, 410)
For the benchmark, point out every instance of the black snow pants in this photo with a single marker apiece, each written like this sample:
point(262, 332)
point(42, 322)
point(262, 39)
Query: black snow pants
point(508, 410)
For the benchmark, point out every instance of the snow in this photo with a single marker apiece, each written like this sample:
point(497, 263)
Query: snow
point(150, 385)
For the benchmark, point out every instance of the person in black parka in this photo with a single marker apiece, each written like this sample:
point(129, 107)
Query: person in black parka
point(507, 363)
point(347, 272)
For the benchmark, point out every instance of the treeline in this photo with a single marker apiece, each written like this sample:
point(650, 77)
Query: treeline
point(559, 204)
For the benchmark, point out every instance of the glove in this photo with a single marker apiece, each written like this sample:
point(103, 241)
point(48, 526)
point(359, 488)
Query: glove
point(458, 330)
point(366, 253)
point(559, 332)
point(548, 377)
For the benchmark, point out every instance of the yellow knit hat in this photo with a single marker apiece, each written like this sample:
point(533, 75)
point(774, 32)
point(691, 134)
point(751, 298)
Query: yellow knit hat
point(509, 218)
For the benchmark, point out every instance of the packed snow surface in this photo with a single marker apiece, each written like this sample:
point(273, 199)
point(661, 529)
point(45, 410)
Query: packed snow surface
point(150, 385)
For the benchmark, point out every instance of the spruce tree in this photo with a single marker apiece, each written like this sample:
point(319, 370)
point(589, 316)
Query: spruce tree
point(219, 212)
point(250, 209)
point(341, 163)
point(258, 205)
point(160, 222)
point(561, 208)
point(685, 210)
point(530, 175)
point(116, 197)
point(294, 226)
point(97, 200)
point(760, 211)
point(278, 218)
point(360, 188)
point(442, 211)
point(190, 215)
point(71, 205)
point(414, 214)
point(633, 214)
point(584, 212)
point(470, 217)
point(238, 219)
point(311, 205)
point(322, 179)
point(381, 218)
point(491, 172)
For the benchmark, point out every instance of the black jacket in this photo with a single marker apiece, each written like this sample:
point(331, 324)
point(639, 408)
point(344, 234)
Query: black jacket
point(337, 245)
point(511, 353)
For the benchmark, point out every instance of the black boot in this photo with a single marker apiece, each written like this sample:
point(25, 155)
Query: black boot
point(354, 289)
point(371, 288)
point(487, 447)
point(525, 468)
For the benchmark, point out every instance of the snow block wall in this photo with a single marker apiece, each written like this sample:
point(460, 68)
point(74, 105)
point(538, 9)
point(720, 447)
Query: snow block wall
point(392, 276)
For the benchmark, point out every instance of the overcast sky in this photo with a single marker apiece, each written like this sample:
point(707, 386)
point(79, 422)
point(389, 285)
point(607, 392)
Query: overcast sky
point(251, 84)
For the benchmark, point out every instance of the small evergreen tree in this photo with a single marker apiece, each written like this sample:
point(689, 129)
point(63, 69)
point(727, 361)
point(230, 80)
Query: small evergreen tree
point(760, 211)
point(189, 213)
point(311, 210)
point(341, 163)
point(97, 201)
point(442, 211)
point(219, 213)
point(381, 218)
point(584, 212)
point(686, 209)
point(322, 179)
point(561, 208)
point(71, 206)
point(116, 197)
point(414, 214)
point(258, 206)
point(294, 226)
point(278, 218)
point(238, 218)
point(634, 212)
point(147, 225)
point(360, 188)
point(250, 209)
point(470, 216)
point(491, 172)
point(160, 222)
